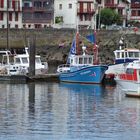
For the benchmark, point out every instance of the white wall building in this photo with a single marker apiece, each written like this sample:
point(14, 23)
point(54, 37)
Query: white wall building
point(69, 13)
point(14, 13)
point(65, 12)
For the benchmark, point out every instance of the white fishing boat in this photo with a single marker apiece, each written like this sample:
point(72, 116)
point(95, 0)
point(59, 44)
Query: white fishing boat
point(123, 56)
point(129, 80)
point(18, 64)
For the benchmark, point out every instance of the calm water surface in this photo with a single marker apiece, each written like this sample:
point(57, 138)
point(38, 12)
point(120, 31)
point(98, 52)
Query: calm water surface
point(57, 111)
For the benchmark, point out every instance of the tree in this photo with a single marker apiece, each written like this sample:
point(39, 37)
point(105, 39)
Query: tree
point(108, 16)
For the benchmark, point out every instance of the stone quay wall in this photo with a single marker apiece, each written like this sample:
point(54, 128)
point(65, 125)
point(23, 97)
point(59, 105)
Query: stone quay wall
point(54, 44)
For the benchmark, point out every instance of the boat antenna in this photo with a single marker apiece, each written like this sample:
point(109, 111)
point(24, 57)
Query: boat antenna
point(121, 43)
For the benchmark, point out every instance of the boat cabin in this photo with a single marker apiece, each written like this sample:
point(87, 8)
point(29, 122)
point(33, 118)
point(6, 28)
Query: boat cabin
point(126, 55)
point(24, 59)
point(132, 72)
point(6, 57)
point(81, 60)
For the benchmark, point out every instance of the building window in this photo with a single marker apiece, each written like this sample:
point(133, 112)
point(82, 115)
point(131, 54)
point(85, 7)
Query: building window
point(3, 26)
point(139, 13)
point(38, 26)
point(1, 15)
point(81, 18)
point(87, 18)
point(24, 26)
point(1, 3)
point(27, 5)
point(10, 16)
point(29, 26)
point(60, 6)
point(46, 4)
point(109, 2)
point(133, 13)
point(120, 11)
point(10, 4)
point(16, 26)
point(70, 6)
point(37, 4)
point(16, 16)
point(99, 1)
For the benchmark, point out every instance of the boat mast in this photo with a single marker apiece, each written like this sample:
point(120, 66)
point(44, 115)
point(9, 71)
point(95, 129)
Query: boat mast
point(77, 30)
point(7, 47)
point(95, 46)
point(95, 51)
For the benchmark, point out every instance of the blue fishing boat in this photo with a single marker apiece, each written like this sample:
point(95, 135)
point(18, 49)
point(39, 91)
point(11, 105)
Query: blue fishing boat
point(82, 68)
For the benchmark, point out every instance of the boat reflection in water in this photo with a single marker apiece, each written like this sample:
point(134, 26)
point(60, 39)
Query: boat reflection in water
point(92, 89)
point(65, 111)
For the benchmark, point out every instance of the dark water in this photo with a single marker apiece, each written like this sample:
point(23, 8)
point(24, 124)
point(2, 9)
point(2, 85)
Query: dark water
point(56, 111)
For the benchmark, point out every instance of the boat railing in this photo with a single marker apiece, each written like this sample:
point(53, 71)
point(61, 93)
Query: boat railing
point(64, 66)
point(45, 64)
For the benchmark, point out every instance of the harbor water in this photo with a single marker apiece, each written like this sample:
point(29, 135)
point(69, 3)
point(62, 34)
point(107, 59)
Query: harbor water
point(60, 111)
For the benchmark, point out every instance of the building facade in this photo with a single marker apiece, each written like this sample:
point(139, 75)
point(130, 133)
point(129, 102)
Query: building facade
point(70, 13)
point(37, 13)
point(11, 13)
point(65, 13)
point(86, 13)
point(135, 10)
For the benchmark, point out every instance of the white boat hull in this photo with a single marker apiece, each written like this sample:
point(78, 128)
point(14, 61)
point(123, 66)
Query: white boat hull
point(129, 86)
point(116, 68)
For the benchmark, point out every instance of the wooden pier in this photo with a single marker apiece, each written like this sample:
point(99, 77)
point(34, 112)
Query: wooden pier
point(13, 79)
point(44, 78)
point(50, 77)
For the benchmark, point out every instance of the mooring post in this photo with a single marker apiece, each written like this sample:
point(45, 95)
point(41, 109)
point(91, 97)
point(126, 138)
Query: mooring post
point(32, 52)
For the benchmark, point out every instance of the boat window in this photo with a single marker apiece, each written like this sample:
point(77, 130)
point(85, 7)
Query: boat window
point(130, 54)
point(85, 60)
point(122, 55)
point(129, 71)
point(137, 54)
point(24, 60)
point(125, 54)
point(118, 55)
point(11, 59)
point(71, 61)
point(80, 60)
point(76, 60)
point(4, 60)
point(90, 60)
point(17, 60)
point(134, 54)
point(37, 60)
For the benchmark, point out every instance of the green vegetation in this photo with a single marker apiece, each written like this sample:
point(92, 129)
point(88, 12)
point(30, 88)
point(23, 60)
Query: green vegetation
point(59, 19)
point(108, 17)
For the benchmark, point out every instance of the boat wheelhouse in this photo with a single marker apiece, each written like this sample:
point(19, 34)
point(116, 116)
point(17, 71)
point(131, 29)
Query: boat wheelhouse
point(122, 58)
point(126, 55)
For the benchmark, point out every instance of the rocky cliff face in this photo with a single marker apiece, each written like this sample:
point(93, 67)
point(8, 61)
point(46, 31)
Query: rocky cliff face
point(54, 45)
